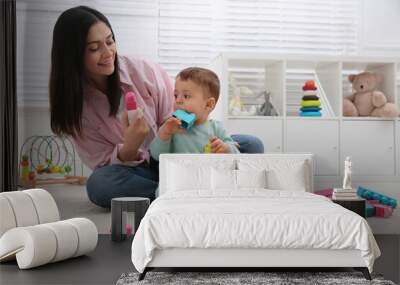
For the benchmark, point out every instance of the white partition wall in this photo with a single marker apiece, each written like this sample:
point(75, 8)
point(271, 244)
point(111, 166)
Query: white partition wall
point(275, 81)
point(388, 71)
point(329, 74)
point(219, 111)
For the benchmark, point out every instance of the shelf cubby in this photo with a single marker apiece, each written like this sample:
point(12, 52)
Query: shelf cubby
point(249, 79)
point(386, 69)
point(324, 74)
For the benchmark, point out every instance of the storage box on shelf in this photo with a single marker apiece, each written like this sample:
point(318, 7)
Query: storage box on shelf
point(371, 142)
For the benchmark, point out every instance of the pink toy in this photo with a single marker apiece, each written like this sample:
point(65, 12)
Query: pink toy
point(325, 192)
point(131, 106)
point(129, 230)
point(383, 211)
point(130, 101)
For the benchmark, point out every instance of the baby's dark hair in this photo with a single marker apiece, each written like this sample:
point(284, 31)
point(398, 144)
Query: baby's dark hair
point(206, 78)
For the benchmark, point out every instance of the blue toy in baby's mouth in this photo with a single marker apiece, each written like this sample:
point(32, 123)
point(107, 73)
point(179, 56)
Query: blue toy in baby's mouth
point(187, 119)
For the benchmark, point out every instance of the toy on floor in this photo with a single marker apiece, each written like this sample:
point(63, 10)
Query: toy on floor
point(369, 210)
point(379, 210)
point(372, 207)
point(325, 192)
point(310, 104)
point(187, 119)
point(48, 160)
point(383, 211)
point(367, 100)
point(377, 205)
point(371, 195)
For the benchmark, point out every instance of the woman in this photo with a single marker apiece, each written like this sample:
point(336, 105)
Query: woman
point(87, 81)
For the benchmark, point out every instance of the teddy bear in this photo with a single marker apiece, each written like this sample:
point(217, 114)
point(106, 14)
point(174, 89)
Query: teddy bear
point(366, 99)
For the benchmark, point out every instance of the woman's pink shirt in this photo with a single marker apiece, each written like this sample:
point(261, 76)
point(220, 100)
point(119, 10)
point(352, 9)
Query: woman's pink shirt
point(103, 135)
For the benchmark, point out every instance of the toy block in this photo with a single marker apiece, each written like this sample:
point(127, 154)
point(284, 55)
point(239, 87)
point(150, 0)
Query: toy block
point(207, 148)
point(187, 119)
point(369, 210)
point(325, 192)
point(383, 211)
point(371, 195)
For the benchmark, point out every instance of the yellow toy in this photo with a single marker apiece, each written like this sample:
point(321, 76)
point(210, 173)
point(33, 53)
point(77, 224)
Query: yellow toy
point(207, 148)
point(235, 105)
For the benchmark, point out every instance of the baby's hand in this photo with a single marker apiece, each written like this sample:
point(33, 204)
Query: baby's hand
point(170, 127)
point(218, 146)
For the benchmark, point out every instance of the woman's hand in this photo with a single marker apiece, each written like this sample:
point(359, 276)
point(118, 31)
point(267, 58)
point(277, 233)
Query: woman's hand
point(218, 146)
point(170, 127)
point(134, 135)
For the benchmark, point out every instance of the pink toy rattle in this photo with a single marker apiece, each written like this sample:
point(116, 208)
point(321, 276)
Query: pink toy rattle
point(131, 106)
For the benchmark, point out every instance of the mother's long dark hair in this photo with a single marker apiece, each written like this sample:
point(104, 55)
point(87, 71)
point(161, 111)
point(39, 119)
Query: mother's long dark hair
point(67, 74)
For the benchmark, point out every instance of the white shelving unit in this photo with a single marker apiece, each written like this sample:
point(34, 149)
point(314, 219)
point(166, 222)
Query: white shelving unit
point(373, 143)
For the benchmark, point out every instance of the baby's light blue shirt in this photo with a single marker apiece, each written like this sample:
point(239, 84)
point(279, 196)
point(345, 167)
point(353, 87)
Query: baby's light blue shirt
point(193, 140)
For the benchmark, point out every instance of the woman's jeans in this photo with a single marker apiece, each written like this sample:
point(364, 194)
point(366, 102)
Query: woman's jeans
point(115, 180)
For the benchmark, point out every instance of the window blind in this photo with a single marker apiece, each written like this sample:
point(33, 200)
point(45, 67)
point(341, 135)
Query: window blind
point(185, 34)
point(193, 33)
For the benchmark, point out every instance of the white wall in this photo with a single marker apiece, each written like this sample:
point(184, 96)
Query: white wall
point(379, 29)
